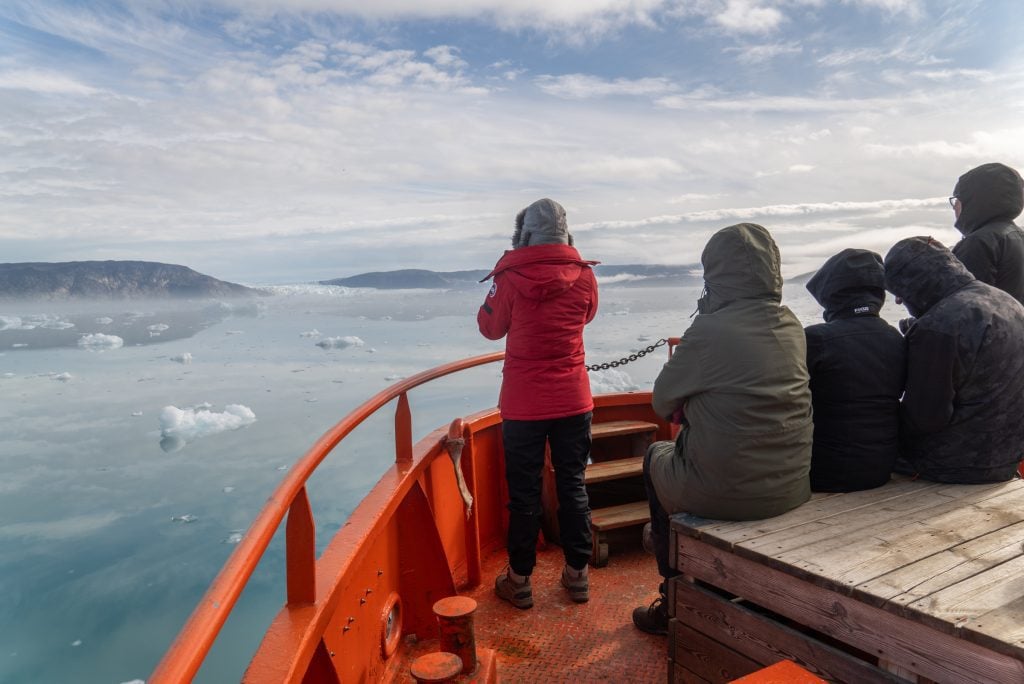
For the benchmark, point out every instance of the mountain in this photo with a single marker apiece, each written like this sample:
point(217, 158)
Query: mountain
point(111, 279)
point(409, 279)
point(417, 279)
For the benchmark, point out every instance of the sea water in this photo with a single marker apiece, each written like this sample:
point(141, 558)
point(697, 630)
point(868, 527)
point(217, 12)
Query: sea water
point(138, 440)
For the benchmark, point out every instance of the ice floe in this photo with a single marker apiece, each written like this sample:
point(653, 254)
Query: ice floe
point(62, 377)
point(178, 426)
point(187, 518)
point(104, 320)
point(136, 414)
point(7, 375)
point(233, 538)
point(47, 321)
point(611, 380)
point(340, 342)
point(157, 327)
point(310, 333)
point(18, 345)
point(185, 358)
point(100, 341)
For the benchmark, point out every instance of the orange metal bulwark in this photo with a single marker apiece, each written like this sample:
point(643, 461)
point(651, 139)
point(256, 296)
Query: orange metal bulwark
point(406, 545)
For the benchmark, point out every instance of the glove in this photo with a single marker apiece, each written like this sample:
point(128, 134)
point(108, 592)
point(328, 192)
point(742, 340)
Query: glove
point(905, 324)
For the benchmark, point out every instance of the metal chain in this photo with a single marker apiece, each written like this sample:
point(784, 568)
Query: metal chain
point(627, 359)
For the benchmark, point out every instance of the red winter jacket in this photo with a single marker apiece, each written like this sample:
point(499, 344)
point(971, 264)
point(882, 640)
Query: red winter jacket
point(541, 298)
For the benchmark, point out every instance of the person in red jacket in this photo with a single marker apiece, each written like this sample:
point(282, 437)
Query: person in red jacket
point(542, 296)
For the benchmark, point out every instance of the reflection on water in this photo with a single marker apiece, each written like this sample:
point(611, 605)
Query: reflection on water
point(114, 521)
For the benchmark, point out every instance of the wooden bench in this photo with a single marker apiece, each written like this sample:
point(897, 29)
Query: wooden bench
point(910, 582)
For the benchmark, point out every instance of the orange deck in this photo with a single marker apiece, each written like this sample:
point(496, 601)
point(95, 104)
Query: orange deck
point(561, 641)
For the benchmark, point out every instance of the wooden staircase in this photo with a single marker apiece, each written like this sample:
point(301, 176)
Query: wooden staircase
point(614, 483)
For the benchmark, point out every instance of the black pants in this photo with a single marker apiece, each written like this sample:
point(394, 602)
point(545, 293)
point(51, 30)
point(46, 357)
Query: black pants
point(524, 460)
point(659, 525)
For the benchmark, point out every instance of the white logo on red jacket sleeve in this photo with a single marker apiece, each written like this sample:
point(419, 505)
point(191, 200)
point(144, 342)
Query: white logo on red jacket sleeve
point(494, 289)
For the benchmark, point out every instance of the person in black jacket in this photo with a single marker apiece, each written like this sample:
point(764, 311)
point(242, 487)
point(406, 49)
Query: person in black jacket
point(961, 412)
point(986, 200)
point(857, 363)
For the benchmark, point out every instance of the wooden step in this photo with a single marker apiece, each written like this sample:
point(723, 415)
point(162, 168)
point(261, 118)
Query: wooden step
point(617, 428)
point(613, 517)
point(614, 470)
point(624, 515)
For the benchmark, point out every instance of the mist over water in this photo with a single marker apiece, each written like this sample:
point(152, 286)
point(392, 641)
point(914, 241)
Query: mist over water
point(129, 471)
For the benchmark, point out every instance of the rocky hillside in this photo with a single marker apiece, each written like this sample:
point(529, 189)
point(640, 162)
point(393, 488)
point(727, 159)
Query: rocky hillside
point(112, 280)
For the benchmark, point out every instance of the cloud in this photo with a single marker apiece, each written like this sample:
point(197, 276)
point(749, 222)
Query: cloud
point(45, 82)
point(749, 16)
point(583, 86)
point(758, 54)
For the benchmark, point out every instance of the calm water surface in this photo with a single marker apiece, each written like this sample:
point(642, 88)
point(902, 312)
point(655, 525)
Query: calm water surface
point(109, 540)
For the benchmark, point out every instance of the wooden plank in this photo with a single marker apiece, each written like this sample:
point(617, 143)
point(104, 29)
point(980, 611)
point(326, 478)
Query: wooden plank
point(841, 531)
point(820, 506)
point(989, 607)
point(877, 543)
point(945, 568)
point(614, 470)
point(680, 675)
point(766, 640)
point(706, 657)
point(924, 650)
point(617, 428)
point(614, 517)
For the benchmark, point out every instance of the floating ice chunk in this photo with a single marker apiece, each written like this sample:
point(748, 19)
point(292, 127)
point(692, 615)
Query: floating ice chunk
point(623, 312)
point(157, 327)
point(229, 489)
point(99, 341)
point(385, 318)
point(18, 345)
point(56, 324)
point(136, 414)
point(233, 538)
point(310, 333)
point(611, 380)
point(282, 467)
point(340, 342)
point(185, 358)
point(311, 400)
point(178, 426)
point(371, 350)
point(643, 338)
point(232, 332)
point(187, 518)
point(76, 642)
point(104, 320)
point(62, 377)
point(393, 378)
point(13, 323)
point(135, 681)
point(7, 375)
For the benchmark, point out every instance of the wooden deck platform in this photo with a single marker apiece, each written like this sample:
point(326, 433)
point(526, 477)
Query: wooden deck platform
point(913, 581)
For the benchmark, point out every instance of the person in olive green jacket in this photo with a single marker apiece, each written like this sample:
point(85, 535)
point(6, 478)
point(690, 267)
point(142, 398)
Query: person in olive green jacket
point(738, 385)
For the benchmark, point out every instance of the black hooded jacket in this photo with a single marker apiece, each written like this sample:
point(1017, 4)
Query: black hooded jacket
point(961, 413)
point(857, 363)
point(991, 197)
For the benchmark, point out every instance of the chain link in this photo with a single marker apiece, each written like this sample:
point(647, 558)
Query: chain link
point(632, 357)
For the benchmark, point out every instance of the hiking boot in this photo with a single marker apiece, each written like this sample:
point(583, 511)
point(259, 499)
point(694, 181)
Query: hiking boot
point(518, 594)
point(576, 583)
point(648, 539)
point(652, 619)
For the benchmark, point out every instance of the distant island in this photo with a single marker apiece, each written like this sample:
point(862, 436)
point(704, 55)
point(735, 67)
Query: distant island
point(417, 279)
point(111, 280)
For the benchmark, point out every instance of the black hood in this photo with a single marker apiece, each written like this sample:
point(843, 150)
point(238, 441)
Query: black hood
point(851, 283)
point(990, 192)
point(923, 272)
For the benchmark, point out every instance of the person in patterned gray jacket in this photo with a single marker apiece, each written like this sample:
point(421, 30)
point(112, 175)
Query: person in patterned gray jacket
point(962, 410)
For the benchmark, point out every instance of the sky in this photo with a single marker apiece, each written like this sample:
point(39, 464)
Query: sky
point(278, 141)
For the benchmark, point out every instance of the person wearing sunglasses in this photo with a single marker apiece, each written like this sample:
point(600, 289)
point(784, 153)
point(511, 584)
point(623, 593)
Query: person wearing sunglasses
point(986, 200)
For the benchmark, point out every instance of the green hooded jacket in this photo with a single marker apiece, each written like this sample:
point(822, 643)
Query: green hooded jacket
point(739, 375)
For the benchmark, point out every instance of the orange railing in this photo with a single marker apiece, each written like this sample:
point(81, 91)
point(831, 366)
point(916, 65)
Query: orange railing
point(185, 656)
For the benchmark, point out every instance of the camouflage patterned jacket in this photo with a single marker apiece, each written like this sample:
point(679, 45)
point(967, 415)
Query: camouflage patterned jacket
point(961, 413)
